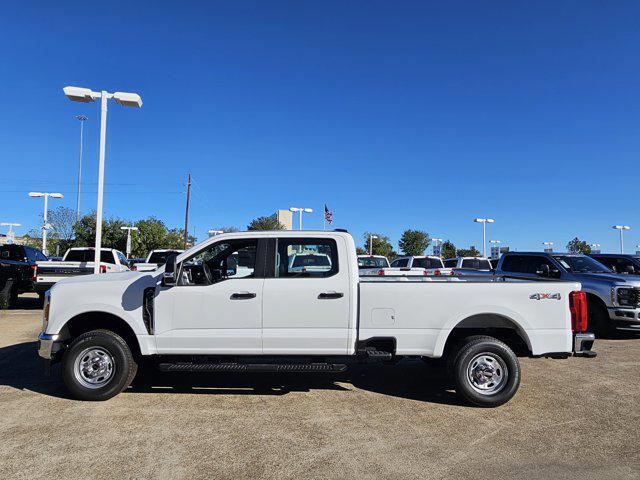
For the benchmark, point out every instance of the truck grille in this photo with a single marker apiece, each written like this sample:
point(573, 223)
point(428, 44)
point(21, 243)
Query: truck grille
point(628, 297)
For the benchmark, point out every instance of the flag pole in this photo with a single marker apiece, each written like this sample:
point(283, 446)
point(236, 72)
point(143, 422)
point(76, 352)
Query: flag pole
point(324, 217)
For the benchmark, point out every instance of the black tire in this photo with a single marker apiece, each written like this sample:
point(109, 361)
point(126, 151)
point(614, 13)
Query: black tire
point(7, 294)
point(497, 369)
point(598, 320)
point(110, 349)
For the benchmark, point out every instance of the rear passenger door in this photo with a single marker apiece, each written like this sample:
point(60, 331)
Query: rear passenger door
point(306, 309)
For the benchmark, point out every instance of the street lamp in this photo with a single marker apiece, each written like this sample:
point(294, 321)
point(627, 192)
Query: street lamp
point(621, 228)
point(10, 236)
point(484, 222)
point(213, 233)
point(128, 229)
point(82, 119)
point(495, 243)
point(301, 210)
point(45, 225)
point(371, 237)
point(85, 95)
point(548, 247)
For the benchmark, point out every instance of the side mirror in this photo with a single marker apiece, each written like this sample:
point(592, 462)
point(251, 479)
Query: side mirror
point(543, 270)
point(170, 269)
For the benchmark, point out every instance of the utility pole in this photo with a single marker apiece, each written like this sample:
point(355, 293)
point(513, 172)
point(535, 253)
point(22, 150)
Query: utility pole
point(186, 214)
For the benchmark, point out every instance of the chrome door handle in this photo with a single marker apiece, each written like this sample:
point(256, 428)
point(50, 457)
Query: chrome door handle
point(330, 295)
point(242, 296)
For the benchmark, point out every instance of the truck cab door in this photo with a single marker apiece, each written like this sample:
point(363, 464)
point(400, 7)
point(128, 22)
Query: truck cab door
point(307, 297)
point(216, 305)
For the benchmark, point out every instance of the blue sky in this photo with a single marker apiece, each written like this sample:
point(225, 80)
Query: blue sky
point(397, 114)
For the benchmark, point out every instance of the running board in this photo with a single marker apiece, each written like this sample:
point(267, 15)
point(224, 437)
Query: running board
point(377, 354)
point(253, 367)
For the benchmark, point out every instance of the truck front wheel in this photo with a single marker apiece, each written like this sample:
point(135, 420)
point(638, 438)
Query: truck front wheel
point(98, 365)
point(486, 371)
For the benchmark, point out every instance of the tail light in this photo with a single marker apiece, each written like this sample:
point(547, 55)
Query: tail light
point(381, 272)
point(452, 273)
point(133, 268)
point(437, 273)
point(578, 307)
point(103, 269)
point(34, 272)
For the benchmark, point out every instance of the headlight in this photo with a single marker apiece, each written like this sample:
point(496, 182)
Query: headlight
point(627, 297)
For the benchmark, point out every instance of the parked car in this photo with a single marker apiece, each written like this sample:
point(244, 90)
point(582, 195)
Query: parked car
point(78, 261)
point(372, 261)
point(414, 266)
point(619, 262)
point(469, 265)
point(154, 259)
point(198, 314)
point(613, 300)
point(18, 263)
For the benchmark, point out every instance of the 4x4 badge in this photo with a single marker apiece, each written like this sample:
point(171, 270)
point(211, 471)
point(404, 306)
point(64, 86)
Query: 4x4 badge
point(545, 296)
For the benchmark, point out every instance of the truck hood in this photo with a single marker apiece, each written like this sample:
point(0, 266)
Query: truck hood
point(633, 280)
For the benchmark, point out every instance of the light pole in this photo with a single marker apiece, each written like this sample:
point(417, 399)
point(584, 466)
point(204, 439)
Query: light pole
point(301, 210)
point(86, 95)
point(213, 233)
point(128, 229)
point(548, 247)
point(621, 228)
point(82, 119)
point(371, 237)
point(436, 246)
point(484, 222)
point(45, 225)
point(10, 236)
point(495, 244)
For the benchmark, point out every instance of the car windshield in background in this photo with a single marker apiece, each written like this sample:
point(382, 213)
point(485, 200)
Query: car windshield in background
point(88, 256)
point(161, 257)
point(311, 261)
point(372, 262)
point(427, 263)
point(10, 252)
point(581, 264)
point(476, 264)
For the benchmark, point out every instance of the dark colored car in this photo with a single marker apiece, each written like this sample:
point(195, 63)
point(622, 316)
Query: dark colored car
point(18, 267)
point(619, 262)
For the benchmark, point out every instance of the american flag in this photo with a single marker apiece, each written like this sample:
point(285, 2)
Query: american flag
point(328, 214)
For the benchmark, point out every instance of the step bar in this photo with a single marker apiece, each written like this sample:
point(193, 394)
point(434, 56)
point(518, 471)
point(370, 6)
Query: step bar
point(187, 367)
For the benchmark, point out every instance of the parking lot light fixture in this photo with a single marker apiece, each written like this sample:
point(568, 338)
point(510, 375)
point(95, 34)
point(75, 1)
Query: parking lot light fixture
point(621, 228)
point(128, 229)
point(484, 222)
point(495, 243)
point(548, 247)
point(301, 210)
point(45, 226)
point(595, 247)
point(10, 236)
point(85, 95)
point(371, 237)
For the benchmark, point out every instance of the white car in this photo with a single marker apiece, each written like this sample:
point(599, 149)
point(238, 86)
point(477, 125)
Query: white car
point(75, 262)
point(155, 259)
point(370, 264)
point(195, 314)
point(414, 266)
point(309, 262)
point(469, 265)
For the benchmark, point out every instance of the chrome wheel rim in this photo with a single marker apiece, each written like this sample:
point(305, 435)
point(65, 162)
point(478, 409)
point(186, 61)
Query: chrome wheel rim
point(94, 367)
point(487, 373)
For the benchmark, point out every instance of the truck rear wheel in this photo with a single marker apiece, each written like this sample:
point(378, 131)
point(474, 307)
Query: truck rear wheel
point(98, 365)
point(486, 371)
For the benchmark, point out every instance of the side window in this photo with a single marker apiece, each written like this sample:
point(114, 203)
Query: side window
point(394, 264)
point(122, 258)
point(40, 257)
point(450, 263)
point(306, 257)
point(30, 254)
point(220, 261)
point(513, 263)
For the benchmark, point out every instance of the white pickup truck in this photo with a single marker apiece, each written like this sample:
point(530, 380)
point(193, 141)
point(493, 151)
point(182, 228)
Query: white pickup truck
point(77, 261)
point(155, 259)
point(418, 265)
point(200, 313)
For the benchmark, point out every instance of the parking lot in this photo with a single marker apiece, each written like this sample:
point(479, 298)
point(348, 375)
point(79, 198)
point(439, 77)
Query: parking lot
point(575, 418)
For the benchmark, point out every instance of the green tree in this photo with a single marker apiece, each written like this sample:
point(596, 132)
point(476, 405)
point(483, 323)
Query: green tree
point(578, 246)
point(468, 252)
point(381, 245)
point(151, 234)
point(447, 249)
point(229, 229)
point(265, 223)
point(414, 242)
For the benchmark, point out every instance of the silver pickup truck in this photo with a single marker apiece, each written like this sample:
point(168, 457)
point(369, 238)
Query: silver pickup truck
point(77, 261)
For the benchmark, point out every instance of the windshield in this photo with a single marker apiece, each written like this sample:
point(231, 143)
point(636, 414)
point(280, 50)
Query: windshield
point(581, 264)
point(372, 262)
point(427, 263)
point(160, 258)
point(311, 261)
